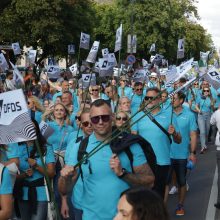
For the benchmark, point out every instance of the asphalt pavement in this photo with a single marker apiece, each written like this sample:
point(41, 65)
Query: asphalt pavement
point(202, 194)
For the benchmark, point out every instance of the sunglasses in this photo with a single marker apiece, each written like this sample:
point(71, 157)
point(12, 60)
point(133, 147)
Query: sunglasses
point(146, 98)
point(138, 90)
point(77, 118)
point(205, 90)
point(96, 119)
point(196, 84)
point(118, 118)
point(86, 123)
point(95, 90)
point(85, 102)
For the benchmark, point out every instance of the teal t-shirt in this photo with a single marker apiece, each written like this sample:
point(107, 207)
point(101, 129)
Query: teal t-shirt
point(6, 185)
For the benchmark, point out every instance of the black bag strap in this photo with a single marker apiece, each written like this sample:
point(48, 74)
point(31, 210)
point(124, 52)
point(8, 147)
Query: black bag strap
point(160, 126)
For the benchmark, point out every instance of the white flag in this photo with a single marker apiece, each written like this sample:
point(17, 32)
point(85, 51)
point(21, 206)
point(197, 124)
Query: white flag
point(180, 50)
point(93, 52)
point(88, 80)
point(3, 63)
point(153, 47)
point(118, 41)
point(105, 52)
point(32, 56)
point(53, 72)
point(15, 122)
point(112, 59)
point(17, 73)
point(105, 68)
point(16, 48)
point(144, 63)
point(132, 44)
point(213, 77)
point(84, 41)
point(74, 69)
point(204, 56)
point(140, 75)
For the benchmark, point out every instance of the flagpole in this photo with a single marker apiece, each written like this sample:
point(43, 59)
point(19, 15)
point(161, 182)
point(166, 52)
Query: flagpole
point(78, 56)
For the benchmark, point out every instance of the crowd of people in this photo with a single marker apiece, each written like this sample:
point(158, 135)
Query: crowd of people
point(106, 185)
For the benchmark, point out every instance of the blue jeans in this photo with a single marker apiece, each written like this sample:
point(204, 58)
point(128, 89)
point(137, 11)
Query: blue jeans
point(41, 213)
point(204, 126)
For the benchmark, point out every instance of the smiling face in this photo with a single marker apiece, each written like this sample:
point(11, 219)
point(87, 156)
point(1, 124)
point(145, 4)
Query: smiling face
point(120, 119)
point(59, 112)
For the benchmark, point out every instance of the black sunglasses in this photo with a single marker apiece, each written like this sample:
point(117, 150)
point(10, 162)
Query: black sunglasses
point(96, 119)
point(206, 90)
point(138, 89)
point(118, 118)
point(95, 90)
point(85, 102)
point(146, 98)
point(86, 123)
point(77, 118)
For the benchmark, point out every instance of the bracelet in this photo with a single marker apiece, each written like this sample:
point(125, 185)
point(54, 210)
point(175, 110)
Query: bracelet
point(124, 173)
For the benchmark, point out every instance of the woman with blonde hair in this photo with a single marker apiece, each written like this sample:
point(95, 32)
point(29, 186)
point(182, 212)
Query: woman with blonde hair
point(122, 118)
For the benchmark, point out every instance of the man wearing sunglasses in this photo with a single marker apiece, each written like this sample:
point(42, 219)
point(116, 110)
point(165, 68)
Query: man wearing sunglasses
point(105, 175)
point(155, 136)
point(123, 89)
point(137, 97)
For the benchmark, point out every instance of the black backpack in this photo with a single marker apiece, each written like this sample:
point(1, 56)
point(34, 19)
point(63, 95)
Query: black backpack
point(122, 144)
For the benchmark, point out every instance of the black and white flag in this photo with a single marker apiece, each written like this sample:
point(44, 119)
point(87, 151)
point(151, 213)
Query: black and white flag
point(132, 43)
point(32, 56)
point(15, 122)
point(74, 69)
point(105, 68)
point(140, 75)
point(16, 48)
point(3, 63)
point(84, 41)
point(88, 80)
point(105, 53)
point(213, 77)
point(180, 49)
point(204, 56)
point(112, 59)
point(93, 52)
point(152, 48)
point(118, 41)
point(17, 75)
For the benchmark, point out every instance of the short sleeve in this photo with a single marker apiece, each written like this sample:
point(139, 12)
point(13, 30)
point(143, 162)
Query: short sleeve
point(138, 155)
point(50, 155)
point(6, 185)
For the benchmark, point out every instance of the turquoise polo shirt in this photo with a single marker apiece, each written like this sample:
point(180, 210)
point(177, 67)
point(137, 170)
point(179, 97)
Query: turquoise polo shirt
point(127, 92)
point(154, 135)
point(6, 185)
point(11, 151)
point(59, 138)
point(204, 104)
point(77, 194)
point(23, 156)
point(136, 101)
point(102, 188)
point(187, 123)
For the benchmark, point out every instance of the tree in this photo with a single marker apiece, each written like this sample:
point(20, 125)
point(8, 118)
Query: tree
point(49, 25)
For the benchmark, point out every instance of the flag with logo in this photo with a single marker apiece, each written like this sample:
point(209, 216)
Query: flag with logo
point(105, 53)
point(112, 59)
point(53, 72)
point(3, 63)
point(93, 52)
point(105, 68)
point(213, 77)
point(157, 59)
point(15, 122)
point(152, 48)
point(184, 68)
point(180, 49)
point(84, 41)
point(118, 41)
point(132, 43)
point(140, 75)
point(16, 48)
point(17, 75)
point(74, 69)
point(32, 56)
point(45, 129)
point(204, 56)
point(88, 79)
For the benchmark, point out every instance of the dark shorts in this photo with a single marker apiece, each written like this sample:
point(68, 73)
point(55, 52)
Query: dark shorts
point(179, 167)
point(161, 179)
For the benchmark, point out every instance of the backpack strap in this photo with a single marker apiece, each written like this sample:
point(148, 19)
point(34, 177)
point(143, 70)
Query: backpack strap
point(130, 157)
point(2, 167)
point(82, 153)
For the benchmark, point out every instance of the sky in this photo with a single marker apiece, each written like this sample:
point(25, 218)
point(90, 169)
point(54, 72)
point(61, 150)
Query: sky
point(210, 18)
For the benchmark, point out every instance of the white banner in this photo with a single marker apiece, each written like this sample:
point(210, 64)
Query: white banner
point(15, 122)
point(185, 68)
point(16, 48)
point(93, 52)
point(32, 56)
point(180, 49)
point(132, 44)
point(74, 69)
point(140, 75)
point(105, 68)
point(3, 63)
point(153, 47)
point(17, 73)
point(118, 41)
point(213, 77)
point(84, 41)
point(105, 53)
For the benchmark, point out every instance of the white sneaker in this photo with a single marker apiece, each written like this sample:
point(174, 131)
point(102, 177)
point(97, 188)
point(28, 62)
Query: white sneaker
point(173, 190)
point(187, 187)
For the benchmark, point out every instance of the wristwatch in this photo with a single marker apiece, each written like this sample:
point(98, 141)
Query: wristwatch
point(124, 172)
point(193, 152)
